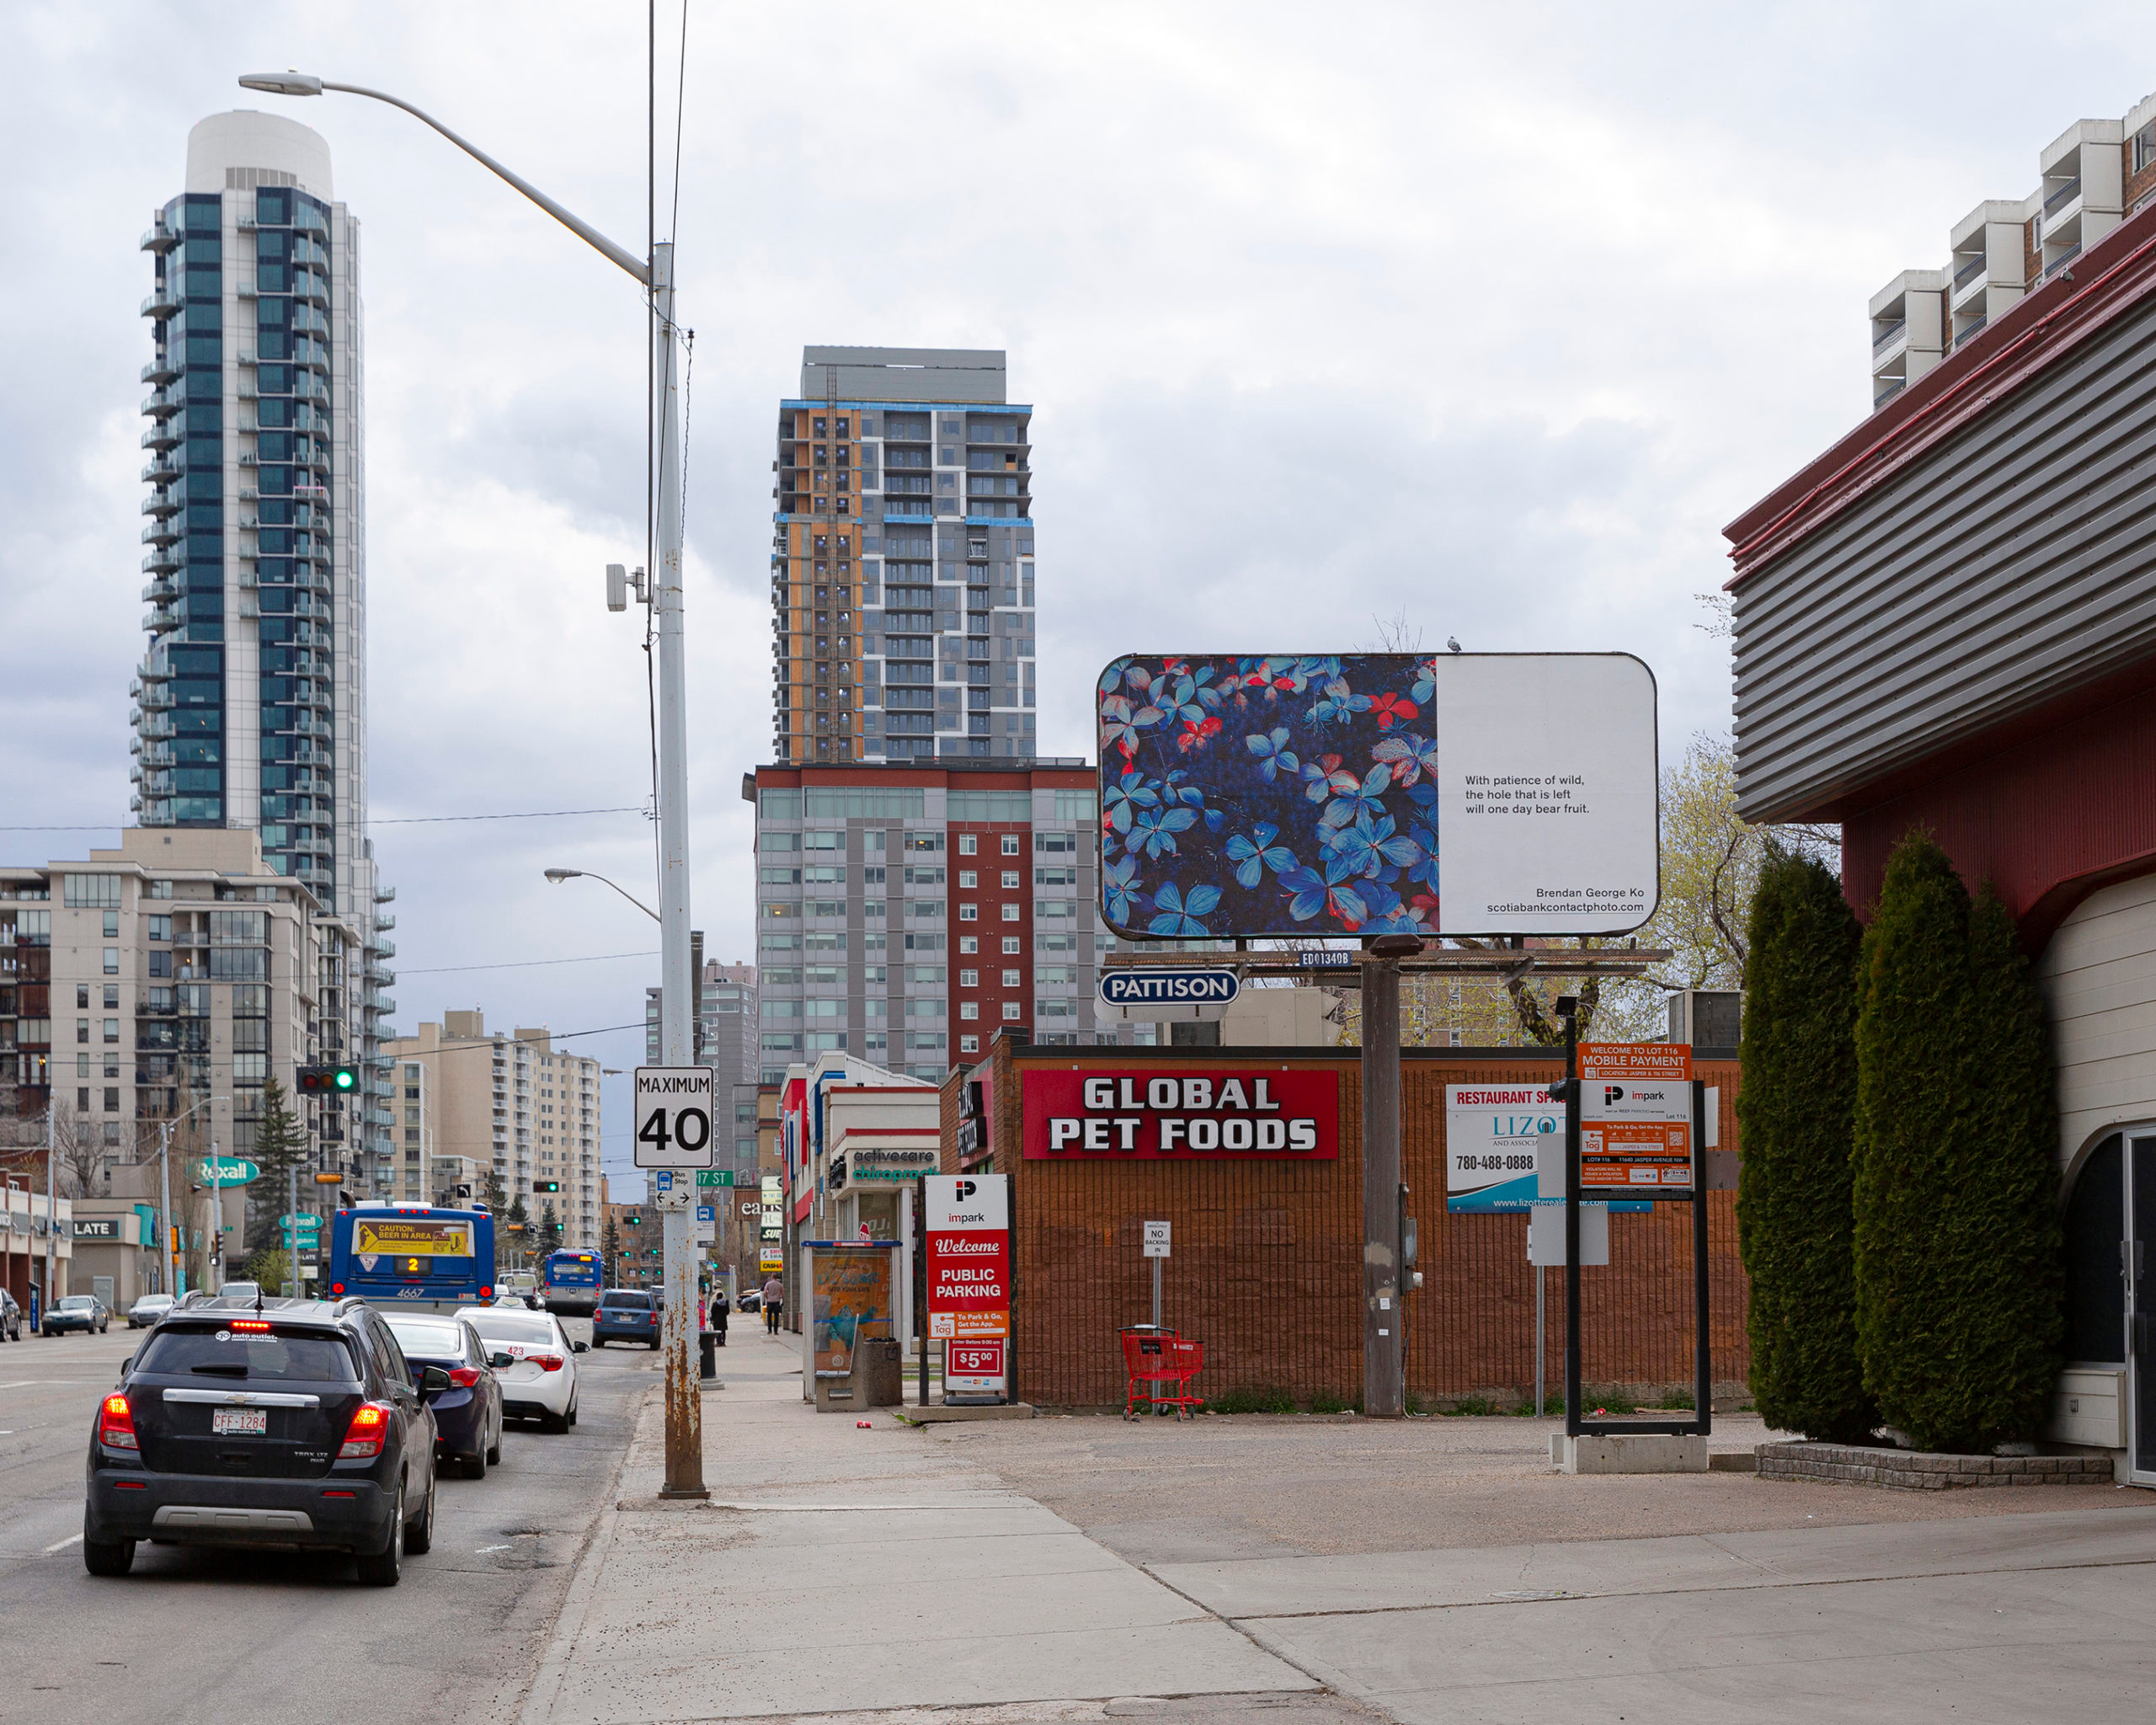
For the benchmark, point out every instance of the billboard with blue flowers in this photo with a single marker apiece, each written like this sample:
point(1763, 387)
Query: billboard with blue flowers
point(1317, 794)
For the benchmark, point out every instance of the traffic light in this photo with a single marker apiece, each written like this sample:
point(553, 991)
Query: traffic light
point(634, 1220)
point(546, 1185)
point(329, 1080)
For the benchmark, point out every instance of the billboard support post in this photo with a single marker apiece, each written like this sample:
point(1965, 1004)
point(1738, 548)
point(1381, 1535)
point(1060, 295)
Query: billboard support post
point(1384, 1374)
point(1569, 1009)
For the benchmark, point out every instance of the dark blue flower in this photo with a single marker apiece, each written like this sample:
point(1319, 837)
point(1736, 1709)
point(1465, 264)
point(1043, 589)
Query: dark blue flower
point(1178, 915)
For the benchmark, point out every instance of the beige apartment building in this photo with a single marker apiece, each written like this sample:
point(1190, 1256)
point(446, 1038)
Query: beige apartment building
point(170, 981)
point(471, 1103)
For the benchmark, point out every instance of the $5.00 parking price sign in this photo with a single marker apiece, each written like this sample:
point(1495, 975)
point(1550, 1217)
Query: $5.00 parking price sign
point(673, 1117)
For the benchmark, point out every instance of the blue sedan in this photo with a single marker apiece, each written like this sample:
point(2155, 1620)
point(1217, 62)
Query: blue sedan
point(626, 1315)
point(468, 1414)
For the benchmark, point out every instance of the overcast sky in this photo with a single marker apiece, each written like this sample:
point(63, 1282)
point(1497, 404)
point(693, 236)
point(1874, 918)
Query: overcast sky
point(1487, 317)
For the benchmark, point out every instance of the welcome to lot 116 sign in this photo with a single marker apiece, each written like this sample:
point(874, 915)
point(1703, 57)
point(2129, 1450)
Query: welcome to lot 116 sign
point(1325, 795)
point(1134, 1115)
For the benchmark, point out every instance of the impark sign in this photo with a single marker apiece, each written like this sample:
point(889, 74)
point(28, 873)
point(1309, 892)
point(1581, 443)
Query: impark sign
point(1346, 794)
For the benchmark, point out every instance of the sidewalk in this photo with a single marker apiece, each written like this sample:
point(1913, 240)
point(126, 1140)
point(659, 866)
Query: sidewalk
point(839, 1570)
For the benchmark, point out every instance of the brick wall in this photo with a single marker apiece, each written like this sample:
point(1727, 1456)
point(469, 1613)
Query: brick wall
point(1266, 1254)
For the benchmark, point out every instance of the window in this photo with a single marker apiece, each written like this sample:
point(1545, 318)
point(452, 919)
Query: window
point(1049, 844)
point(968, 1009)
point(1010, 844)
point(1009, 879)
point(924, 841)
point(969, 1045)
point(968, 844)
point(966, 877)
point(112, 925)
point(1011, 913)
point(1011, 943)
point(91, 892)
point(990, 805)
point(969, 979)
point(1011, 1010)
point(112, 996)
point(969, 942)
point(82, 1030)
point(112, 961)
point(112, 1030)
point(82, 996)
point(1077, 806)
point(1012, 979)
point(823, 842)
point(968, 913)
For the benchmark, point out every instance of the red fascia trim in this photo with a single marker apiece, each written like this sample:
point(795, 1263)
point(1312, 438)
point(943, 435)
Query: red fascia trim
point(2043, 328)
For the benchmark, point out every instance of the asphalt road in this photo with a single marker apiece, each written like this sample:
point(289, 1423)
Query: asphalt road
point(199, 1634)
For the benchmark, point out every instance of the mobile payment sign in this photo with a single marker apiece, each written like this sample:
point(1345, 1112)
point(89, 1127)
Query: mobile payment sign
point(1635, 1118)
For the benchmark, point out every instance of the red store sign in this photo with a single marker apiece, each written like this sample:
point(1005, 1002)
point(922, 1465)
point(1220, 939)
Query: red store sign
point(1118, 1114)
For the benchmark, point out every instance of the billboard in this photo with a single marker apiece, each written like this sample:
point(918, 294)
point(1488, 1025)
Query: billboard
point(1319, 795)
point(966, 1233)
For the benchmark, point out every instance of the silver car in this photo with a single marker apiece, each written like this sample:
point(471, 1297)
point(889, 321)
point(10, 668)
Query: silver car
point(148, 1310)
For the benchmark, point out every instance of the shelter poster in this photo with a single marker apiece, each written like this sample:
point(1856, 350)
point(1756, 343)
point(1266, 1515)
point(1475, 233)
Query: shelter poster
point(852, 1296)
point(1316, 795)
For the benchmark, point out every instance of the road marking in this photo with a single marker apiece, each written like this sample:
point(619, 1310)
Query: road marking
point(73, 1539)
point(484, 1550)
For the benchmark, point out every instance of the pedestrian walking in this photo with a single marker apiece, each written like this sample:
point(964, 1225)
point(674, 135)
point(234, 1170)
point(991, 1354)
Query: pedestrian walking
point(719, 1308)
point(774, 1299)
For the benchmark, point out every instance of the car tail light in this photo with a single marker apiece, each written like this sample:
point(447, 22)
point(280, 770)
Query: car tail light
point(116, 1425)
point(486, 1293)
point(549, 1362)
point(253, 1326)
point(464, 1376)
point(131, 1485)
point(362, 1437)
point(337, 1288)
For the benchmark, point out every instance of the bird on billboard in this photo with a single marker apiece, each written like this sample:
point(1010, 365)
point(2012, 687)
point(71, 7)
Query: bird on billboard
point(1451, 643)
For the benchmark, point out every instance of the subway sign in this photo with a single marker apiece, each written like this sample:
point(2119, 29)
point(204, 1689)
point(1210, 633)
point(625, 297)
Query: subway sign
point(1120, 1114)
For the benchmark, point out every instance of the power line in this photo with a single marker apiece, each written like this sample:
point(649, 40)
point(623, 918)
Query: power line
point(522, 964)
point(531, 815)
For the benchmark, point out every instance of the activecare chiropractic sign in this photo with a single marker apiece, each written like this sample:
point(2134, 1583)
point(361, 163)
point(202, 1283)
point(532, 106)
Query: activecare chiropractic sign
point(1117, 1113)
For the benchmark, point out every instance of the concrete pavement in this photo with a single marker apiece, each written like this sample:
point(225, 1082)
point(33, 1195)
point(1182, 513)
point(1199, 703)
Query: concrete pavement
point(843, 1571)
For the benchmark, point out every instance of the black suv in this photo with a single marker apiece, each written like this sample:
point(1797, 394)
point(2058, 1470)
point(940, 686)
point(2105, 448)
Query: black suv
point(294, 1424)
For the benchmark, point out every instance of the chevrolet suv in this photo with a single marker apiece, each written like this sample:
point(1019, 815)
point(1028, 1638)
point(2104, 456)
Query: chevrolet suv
point(290, 1423)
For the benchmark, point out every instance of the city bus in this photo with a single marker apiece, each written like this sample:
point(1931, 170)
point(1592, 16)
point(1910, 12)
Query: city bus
point(568, 1283)
point(413, 1254)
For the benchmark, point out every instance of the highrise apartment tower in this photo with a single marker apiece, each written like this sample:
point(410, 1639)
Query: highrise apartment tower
point(251, 700)
point(902, 564)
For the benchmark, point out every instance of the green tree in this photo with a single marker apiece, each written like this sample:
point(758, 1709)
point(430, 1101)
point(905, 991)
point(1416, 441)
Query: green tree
point(1954, 1189)
point(496, 1195)
point(1798, 1110)
point(550, 1227)
point(280, 1148)
point(609, 1252)
point(269, 1266)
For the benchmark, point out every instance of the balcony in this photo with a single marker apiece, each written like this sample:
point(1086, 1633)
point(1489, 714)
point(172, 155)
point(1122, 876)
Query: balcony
point(161, 436)
point(160, 532)
point(162, 505)
point(2066, 194)
point(160, 371)
point(163, 403)
point(2061, 261)
point(163, 471)
point(1970, 276)
point(160, 240)
point(1969, 331)
point(160, 304)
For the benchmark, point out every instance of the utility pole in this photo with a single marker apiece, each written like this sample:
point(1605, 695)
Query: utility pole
point(51, 1200)
point(164, 1200)
point(1384, 1359)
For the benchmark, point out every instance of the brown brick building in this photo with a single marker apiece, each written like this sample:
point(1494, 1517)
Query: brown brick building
point(1267, 1253)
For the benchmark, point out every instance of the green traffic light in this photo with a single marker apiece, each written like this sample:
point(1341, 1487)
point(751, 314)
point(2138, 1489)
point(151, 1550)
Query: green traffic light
point(346, 1078)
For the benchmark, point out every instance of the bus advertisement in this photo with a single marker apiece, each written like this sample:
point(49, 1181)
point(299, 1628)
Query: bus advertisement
point(413, 1254)
point(568, 1283)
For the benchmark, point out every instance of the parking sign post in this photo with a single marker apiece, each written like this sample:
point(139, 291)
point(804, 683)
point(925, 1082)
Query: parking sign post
point(673, 1140)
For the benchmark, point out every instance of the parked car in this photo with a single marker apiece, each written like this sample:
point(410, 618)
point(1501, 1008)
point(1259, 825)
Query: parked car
point(751, 1301)
point(304, 1428)
point(148, 1310)
point(625, 1315)
point(11, 1319)
point(468, 1414)
point(539, 1382)
point(240, 1292)
point(76, 1312)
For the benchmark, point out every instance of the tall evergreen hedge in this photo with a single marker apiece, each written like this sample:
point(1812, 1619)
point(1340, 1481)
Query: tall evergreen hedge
point(1956, 1230)
point(1798, 1111)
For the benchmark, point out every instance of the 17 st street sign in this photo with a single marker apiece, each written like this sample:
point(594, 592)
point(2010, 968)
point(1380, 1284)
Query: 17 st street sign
point(673, 1117)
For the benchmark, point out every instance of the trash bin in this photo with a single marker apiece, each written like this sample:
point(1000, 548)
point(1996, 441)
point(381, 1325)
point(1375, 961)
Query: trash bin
point(707, 1354)
point(878, 1373)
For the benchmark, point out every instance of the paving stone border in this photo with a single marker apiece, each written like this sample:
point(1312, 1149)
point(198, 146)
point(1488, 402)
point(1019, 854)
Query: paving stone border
point(1924, 1470)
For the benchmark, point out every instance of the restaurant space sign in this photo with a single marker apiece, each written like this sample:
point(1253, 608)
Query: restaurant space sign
point(1109, 1113)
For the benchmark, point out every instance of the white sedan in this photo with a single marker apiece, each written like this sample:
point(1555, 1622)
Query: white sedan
point(540, 1381)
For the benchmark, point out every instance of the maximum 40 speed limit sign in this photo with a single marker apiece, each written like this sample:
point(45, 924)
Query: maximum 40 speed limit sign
point(673, 1116)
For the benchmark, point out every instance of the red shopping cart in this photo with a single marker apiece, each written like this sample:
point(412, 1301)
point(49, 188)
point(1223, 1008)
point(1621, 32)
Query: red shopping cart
point(1161, 1365)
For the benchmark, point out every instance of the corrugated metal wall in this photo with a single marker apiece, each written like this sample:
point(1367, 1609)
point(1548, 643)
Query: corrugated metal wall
point(2009, 567)
point(1266, 1263)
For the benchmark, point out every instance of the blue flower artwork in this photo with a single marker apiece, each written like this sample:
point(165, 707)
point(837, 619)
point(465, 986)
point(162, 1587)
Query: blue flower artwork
point(1284, 795)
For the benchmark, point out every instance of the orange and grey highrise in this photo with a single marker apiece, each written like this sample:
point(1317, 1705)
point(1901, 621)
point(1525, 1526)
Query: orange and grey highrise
point(902, 564)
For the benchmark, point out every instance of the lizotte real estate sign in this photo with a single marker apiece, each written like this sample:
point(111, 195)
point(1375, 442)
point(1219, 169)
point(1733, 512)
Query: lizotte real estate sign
point(966, 1233)
point(1493, 1133)
point(1317, 795)
point(1111, 1114)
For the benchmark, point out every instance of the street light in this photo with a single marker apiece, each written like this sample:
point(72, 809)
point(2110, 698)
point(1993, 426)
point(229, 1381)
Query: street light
point(558, 875)
point(676, 1001)
point(164, 1181)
